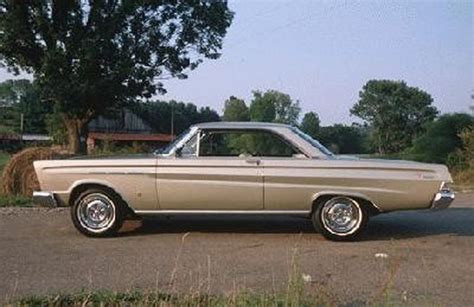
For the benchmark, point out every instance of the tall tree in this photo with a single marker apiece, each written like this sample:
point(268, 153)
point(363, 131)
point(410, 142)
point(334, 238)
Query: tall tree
point(396, 112)
point(274, 106)
point(311, 124)
point(236, 110)
point(158, 115)
point(93, 56)
point(20, 97)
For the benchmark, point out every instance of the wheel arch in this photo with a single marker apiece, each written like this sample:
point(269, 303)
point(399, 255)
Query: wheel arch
point(83, 185)
point(366, 201)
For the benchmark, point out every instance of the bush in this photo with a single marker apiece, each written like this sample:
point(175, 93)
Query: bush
point(441, 140)
point(462, 161)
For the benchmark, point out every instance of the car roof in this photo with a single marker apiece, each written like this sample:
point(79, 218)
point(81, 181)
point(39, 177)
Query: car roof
point(240, 125)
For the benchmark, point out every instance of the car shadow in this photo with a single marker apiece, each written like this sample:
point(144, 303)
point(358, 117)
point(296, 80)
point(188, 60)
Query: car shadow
point(397, 225)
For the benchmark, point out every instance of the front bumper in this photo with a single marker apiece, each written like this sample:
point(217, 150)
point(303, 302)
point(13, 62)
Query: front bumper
point(44, 199)
point(442, 200)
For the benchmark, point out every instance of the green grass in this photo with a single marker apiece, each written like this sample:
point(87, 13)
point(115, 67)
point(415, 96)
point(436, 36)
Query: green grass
point(4, 157)
point(15, 201)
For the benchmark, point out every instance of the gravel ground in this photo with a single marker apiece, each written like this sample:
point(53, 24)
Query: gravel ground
point(421, 257)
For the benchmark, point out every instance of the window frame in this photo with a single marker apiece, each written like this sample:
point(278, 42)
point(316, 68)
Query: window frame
point(282, 138)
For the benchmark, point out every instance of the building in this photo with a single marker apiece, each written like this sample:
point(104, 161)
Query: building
point(125, 129)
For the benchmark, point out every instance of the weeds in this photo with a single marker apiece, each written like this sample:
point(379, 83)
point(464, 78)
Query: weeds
point(15, 201)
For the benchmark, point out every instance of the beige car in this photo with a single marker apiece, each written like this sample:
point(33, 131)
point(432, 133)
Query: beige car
point(241, 168)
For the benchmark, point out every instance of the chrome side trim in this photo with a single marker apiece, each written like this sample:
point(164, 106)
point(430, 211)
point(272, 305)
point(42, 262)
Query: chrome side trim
point(153, 212)
point(44, 199)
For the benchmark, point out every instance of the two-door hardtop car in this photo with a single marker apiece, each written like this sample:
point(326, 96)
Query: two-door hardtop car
point(240, 168)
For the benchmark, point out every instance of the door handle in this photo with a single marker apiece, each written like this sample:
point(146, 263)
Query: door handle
point(253, 161)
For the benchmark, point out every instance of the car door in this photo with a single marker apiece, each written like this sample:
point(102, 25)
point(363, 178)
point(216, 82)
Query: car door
point(203, 177)
point(285, 170)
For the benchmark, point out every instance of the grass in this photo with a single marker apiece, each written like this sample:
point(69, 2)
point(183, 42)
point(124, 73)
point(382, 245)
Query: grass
point(139, 298)
point(4, 157)
point(14, 201)
point(464, 180)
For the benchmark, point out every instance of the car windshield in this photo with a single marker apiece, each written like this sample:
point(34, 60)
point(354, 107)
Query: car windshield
point(167, 150)
point(312, 141)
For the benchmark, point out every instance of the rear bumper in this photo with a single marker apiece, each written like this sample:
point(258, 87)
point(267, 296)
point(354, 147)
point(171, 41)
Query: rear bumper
point(44, 199)
point(442, 200)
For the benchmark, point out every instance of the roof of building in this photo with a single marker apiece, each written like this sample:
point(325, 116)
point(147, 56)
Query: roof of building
point(130, 137)
point(240, 125)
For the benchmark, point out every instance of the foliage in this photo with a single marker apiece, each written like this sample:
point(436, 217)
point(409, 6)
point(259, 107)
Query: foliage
point(261, 108)
point(236, 110)
point(89, 58)
point(4, 157)
point(467, 152)
point(311, 124)
point(342, 139)
point(140, 298)
point(441, 138)
point(396, 112)
point(55, 127)
point(22, 97)
point(14, 201)
point(159, 114)
point(463, 159)
point(274, 106)
point(255, 143)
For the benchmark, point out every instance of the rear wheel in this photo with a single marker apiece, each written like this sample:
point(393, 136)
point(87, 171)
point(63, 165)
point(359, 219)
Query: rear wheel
point(340, 218)
point(98, 213)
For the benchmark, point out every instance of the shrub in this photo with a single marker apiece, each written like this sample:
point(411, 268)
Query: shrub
point(441, 140)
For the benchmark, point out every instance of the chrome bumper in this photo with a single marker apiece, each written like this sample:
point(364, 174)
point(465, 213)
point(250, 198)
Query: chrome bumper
point(44, 199)
point(442, 200)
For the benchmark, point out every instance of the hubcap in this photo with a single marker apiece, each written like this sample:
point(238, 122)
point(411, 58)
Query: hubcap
point(341, 215)
point(96, 212)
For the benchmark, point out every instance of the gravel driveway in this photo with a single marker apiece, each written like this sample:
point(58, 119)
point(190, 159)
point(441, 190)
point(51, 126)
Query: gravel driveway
point(421, 256)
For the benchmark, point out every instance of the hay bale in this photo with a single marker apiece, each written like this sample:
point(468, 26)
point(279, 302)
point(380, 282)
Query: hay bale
point(19, 177)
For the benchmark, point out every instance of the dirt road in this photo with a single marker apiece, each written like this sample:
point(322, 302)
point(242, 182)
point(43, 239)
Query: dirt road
point(419, 256)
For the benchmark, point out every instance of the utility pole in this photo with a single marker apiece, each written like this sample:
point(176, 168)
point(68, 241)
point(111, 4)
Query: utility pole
point(172, 121)
point(22, 119)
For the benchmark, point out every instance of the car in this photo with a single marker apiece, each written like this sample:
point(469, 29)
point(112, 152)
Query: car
point(240, 168)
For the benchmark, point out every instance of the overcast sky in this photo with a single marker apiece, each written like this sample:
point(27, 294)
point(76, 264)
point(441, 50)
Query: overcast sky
point(323, 52)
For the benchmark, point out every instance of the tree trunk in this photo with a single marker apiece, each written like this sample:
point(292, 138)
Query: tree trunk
point(74, 128)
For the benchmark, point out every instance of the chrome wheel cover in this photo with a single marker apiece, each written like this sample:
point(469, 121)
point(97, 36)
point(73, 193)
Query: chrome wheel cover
point(341, 216)
point(96, 212)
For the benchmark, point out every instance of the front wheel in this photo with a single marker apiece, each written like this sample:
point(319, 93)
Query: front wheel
point(98, 213)
point(340, 218)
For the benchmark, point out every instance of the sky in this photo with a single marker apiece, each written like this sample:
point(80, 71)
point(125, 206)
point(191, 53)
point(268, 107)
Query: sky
point(323, 52)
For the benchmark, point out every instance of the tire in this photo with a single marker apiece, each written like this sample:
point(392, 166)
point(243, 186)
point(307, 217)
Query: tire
point(98, 212)
point(340, 218)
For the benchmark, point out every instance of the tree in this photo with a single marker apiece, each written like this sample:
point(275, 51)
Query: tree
point(274, 106)
point(157, 114)
point(206, 114)
point(342, 139)
point(441, 138)
point(396, 112)
point(20, 97)
point(235, 110)
point(311, 124)
point(92, 57)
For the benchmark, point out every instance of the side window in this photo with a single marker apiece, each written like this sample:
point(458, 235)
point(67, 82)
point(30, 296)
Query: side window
point(235, 143)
